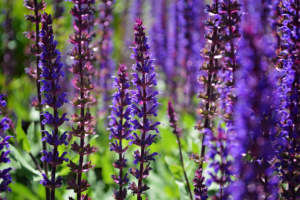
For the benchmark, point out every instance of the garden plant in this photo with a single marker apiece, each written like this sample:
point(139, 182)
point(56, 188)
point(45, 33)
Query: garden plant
point(150, 99)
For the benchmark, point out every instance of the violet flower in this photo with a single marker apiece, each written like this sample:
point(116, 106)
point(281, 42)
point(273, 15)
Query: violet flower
point(177, 132)
point(51, 73)
point(219, 142)
point(209, 69)
point(219, 151)
point(200, 188)
point(84, 70)
point(145, 105)
point(287, 138)
point(120, 128)
point(4, 174)
point(35, 18)
point(254, 120)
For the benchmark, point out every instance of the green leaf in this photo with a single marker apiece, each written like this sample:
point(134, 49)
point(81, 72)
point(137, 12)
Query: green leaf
point(28, 171)
point(182, 190)
point(21, 137)
point(31, 134)
point(94, 137)
point(23, 190)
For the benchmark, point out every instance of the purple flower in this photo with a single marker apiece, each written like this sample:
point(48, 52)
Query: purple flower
point(52, 71)
point(2, 102)
point(53, 183)
point(144, 107)
point(120, 127)
point(4, 174)
point(53, 139)
point(82, 55)
point(285, 134)
point(200, 189)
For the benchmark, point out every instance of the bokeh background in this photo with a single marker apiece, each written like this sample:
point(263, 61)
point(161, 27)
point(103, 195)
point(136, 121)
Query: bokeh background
point(166, 181)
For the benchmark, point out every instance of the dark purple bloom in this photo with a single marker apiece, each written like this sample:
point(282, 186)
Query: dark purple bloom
point(4, 124)
point(2, 102)
point(53, 183)
point(144, 107)
point(286, 134)
point(49, 157)
point(4, 174)
point(200, 188)
point(120, 127)
point(52, 71)
point(6, 180)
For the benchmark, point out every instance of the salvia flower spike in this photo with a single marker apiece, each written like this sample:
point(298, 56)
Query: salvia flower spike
point(120, 128)
point(145, 105)
point(52, 71)
point(209, 68)
point(177, 132)
point(35, 18)
point(219, 140)
point(200, 190)
point(84, 70)
point(287, 145)
point(5, 177)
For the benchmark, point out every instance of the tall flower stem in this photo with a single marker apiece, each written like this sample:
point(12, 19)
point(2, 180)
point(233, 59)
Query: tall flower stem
point(82, 67)
point(211, 67)
point(52, 71)
point(120, 128)
point(36, 19)
point(288, 90)
point(38, 87)
point(177, 132)
point(144, 66)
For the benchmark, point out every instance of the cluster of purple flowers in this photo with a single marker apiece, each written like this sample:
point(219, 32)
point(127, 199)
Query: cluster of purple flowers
point(120, 128)
point(287, 104)
point(5, 177)
point(36, 50)
point(51, 73)
point(252, 147)
point(149, 107)
point(82, 54)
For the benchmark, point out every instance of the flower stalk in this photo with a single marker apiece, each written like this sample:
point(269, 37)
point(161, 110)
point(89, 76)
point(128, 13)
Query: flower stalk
point(51, 72)
point(35, 18)
point(287, 105)
point(140, 97)
point(84, 70)
point(177, 132)
point(120, 128)
point(211, 67)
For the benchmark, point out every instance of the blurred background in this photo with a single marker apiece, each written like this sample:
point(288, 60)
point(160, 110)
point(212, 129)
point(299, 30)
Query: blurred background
point(176, 37)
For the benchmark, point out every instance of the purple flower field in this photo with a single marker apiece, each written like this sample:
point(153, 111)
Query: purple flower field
point(150, 100)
